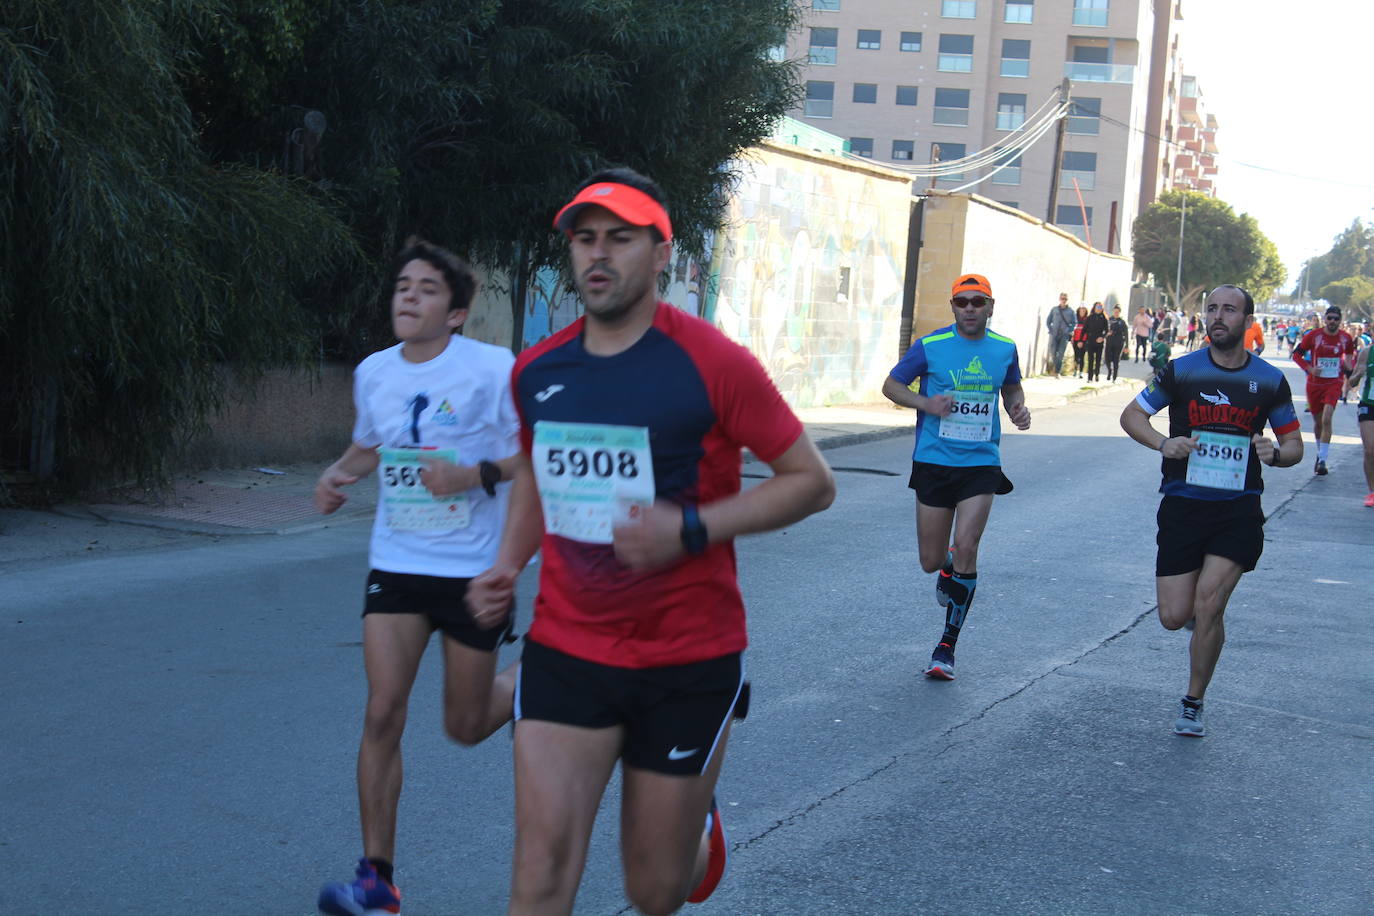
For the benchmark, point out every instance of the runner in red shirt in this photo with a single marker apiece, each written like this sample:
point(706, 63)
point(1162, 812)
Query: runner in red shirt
point(632, 420)
point(1325, 354)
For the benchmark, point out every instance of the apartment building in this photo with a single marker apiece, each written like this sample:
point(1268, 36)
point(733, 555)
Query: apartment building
point(910, 82)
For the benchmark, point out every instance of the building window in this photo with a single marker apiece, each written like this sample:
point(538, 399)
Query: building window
point(960, 9)
point(1012, 173)
point(1079, 167)
point(1084, 115)
point(903, 149)
point(1019, 11)
point(823, 45)
point(865, 93)
point(1090, 12)
point(911, 41)
point(1010, 203)
point(951, 107)
point(870, 39)
point(1015, 57)
point(820, 99)
point(906, 95)
point(956, 54)
point(861, 146)
point(1070, 217)
point(826, 5)
point(948, 152)
point(1011, 110)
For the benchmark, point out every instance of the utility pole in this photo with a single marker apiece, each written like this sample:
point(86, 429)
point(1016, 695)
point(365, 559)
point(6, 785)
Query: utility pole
point(1058, 153)
point(1178, 277)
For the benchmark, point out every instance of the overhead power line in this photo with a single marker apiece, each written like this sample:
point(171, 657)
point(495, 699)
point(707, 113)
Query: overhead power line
point(1004, 153)
point(1178, 145)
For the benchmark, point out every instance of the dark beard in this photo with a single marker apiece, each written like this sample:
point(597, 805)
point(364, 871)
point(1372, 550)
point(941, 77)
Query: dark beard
point(1228, 347)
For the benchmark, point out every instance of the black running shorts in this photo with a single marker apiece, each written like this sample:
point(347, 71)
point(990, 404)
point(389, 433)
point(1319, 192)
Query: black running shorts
point(439, 598)
point(1189, 529)
point(944, 487)
point(673, 716)
point(1366, 413)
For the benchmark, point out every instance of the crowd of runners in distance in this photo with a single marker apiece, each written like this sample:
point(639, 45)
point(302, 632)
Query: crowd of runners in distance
point(613, 451)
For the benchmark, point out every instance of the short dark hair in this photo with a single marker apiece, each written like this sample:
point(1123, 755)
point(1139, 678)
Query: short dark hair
point(632, 179)
point(1333, 309)
point(1245, 293)
point(461, 280)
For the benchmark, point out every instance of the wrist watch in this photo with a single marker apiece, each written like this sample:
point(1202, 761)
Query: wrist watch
point(491, 476)
point(693, 531)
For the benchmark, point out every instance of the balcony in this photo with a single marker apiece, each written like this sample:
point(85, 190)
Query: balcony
point(1188, 111)
point(1081, 72)
point(1186, 134)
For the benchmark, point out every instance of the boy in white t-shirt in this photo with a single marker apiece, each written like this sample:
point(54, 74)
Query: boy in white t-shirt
point(435, 413)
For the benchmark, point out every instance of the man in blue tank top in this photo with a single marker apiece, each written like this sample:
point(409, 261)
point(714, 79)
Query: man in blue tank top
point(956, 467)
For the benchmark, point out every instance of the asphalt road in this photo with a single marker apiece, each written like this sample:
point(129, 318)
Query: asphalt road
point(181, 721)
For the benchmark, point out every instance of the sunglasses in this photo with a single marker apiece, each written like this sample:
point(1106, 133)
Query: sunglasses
point(974, 301)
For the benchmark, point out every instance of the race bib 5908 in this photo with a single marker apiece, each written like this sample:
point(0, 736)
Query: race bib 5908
point(591, 477)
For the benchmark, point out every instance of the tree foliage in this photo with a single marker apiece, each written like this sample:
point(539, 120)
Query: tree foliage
point(1219, 246)
point(470, 123)
point(132, 266)
point(162, 216)
point(1351, 255)
point(1354, 294)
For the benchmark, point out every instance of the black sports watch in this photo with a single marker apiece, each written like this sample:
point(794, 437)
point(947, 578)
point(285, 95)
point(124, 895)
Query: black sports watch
point(693, 531)
point(491, 475)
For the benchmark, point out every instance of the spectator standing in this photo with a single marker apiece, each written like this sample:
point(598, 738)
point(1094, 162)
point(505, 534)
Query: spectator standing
point(1144, 324)
point(1060, 325)
point(1116, 343)
point(1094, 338)
point(1079, 341)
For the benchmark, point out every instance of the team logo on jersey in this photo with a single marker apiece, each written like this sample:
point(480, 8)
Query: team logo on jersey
point(1254, 387)
point(1221, 413)
point(1219, 398)
point(970, 375)
point(444, 414)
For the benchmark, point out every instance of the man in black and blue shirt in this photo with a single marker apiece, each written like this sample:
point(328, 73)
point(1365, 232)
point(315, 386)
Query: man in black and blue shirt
point(1211, 525)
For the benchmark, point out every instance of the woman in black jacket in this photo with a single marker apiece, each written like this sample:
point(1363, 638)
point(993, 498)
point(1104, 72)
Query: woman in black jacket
point(1116, 343)
point(1094, 336)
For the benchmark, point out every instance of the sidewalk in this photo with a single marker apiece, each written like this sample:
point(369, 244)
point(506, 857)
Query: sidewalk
point(277, 500)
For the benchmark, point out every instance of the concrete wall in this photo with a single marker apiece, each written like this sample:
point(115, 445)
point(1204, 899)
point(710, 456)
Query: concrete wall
point(285, 417)
point(809, 271)
point(1028, 262)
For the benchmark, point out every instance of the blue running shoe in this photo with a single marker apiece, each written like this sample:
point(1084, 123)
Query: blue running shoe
point(368, 895)
point(941, 665)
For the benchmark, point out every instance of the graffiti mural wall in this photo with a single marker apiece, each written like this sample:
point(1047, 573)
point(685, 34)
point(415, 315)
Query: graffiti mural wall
point(809, 272)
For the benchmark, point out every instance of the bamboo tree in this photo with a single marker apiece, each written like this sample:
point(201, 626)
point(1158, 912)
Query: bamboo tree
point(133, 269)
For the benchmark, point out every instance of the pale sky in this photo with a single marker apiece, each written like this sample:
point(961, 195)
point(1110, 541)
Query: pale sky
point(1287, 82)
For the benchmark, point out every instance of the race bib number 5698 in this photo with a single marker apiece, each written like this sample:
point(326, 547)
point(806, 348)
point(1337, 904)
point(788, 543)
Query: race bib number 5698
point(591, 477)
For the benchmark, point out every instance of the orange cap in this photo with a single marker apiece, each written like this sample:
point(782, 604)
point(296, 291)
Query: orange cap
point(971, 283)
point(630, 204)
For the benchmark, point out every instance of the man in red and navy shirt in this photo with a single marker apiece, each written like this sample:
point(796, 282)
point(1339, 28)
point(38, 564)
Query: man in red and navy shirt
point(1327, 355)
point(632, 423)
point(1211, 526)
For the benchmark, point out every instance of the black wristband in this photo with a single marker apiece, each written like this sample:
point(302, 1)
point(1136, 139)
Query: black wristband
point(693, 531)
point(490, 473)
